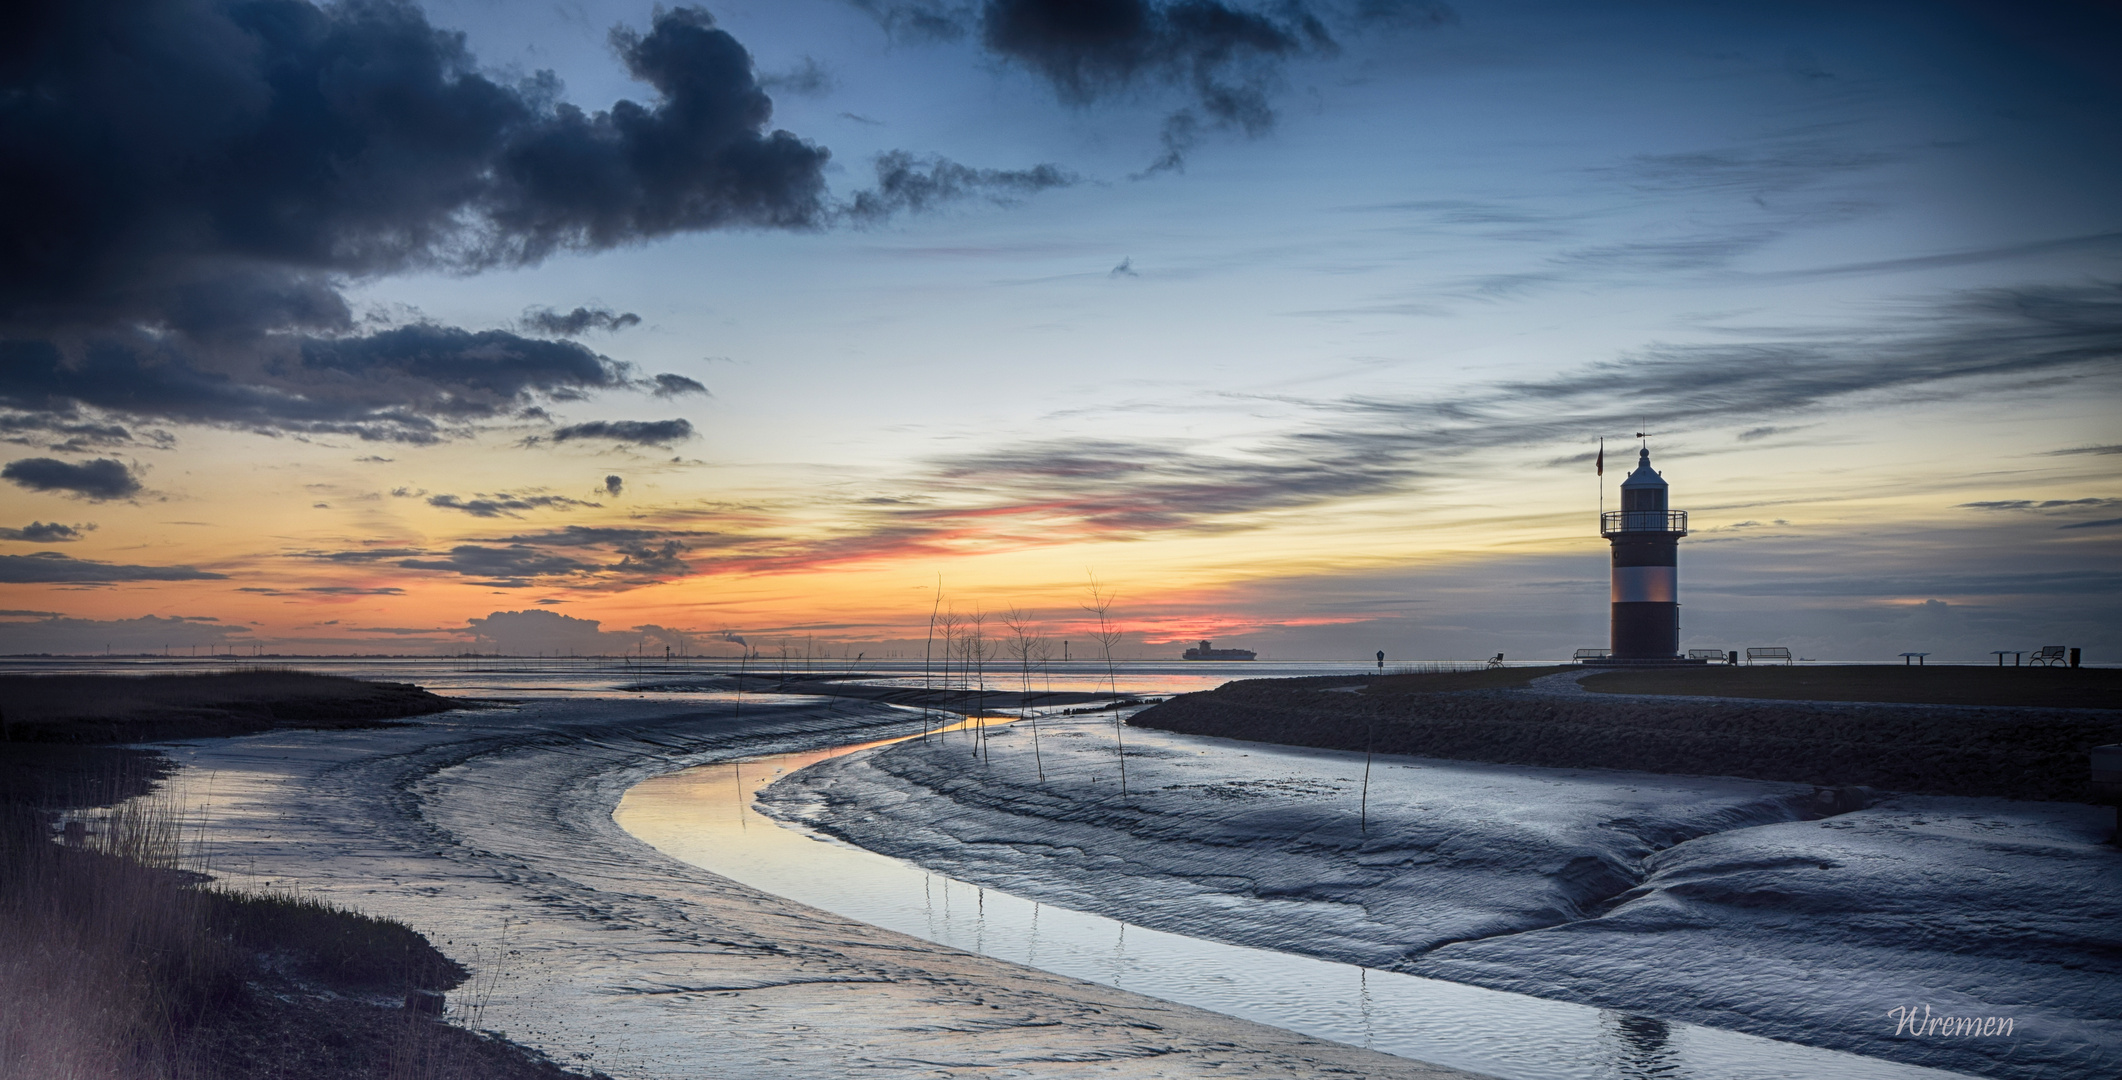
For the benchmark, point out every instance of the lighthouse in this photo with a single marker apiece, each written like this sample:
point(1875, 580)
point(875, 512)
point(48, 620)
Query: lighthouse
point(1645, 534)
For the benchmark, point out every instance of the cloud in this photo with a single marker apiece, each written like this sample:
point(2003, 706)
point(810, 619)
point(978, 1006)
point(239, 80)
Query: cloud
point(669, 385)
point(907, 184)
point(146, 634)
point(577, 322)
point(533, 632)
point(2103, 523)
point(2086, 450)
point(50, 567)
point(645, 432)
point(207, 178)
point(95, 481)
point(1040, 492)
point(510, 567)
point(38, 532)
point(504, 504)
point(2031, 504)
point(412, 384)
point(1763, 432)
point(807, 79)
point(1126, 268)
point(613, 485)
point(1226, 59)
point(1225, 56)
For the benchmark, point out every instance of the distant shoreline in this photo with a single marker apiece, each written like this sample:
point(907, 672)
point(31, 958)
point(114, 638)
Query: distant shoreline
point(104, 708)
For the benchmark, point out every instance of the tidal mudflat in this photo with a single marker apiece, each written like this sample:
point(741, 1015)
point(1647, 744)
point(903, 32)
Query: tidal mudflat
point(491, 832)
point(1748, 905)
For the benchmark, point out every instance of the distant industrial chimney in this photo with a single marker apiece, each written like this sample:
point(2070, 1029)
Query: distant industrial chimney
point(1646, 594)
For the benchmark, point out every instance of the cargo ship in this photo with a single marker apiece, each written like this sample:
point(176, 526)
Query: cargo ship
point(1206, 653)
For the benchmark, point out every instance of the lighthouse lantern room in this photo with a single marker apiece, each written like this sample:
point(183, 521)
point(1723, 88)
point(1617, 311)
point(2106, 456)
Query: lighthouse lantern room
point(1645, 534)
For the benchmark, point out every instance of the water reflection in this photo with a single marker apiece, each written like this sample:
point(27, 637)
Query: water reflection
point(688, 815)
point(1643, 1047)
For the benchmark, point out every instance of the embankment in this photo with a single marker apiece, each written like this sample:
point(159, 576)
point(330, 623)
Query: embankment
point(2013, 753)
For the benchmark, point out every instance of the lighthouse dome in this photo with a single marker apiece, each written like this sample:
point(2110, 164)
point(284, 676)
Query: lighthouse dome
point(1644, 490)
point(1644, 476)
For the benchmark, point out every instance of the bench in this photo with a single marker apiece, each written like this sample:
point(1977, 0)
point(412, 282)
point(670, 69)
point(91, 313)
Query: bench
point(1767, 652)
point(1706, 654)
point(1591, 654)
point(2049, 656)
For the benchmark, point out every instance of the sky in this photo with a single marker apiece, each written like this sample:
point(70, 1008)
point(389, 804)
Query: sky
point(588, 327)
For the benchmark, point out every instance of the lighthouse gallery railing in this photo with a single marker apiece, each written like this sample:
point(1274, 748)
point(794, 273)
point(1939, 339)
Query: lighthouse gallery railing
point(1643, 521)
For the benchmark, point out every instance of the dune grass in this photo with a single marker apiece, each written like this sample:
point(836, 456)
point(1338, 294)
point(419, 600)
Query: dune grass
point(120, 959)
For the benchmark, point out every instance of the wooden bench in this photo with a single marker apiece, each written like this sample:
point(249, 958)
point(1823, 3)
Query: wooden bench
point(1591, 654)
point(1706, 654)
point(2049, 656)
point(1767, 652)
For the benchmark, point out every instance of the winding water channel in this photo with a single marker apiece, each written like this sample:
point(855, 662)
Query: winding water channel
point(704, 816)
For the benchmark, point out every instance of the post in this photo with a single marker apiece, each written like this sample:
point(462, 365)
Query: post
point(1370, 740)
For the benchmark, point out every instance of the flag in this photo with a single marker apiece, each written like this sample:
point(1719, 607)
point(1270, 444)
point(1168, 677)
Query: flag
point(1600, 464)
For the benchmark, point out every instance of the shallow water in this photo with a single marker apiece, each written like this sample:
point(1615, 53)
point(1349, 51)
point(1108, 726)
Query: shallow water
point(704, 816)
point(599, 676)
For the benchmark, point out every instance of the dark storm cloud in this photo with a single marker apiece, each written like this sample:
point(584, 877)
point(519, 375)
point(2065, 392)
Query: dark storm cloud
point(38, 532)
point(1227, 58)
point(207, 176)
point(577, 322)
point(50, 567)
point(95, 481)
point(669, 385)
point(645, 432)
point(504, 504)
point(195, 152)
point(408, 384)
point(614, 484)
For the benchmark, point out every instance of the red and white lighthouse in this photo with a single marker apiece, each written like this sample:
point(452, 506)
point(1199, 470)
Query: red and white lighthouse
point(1645, 534)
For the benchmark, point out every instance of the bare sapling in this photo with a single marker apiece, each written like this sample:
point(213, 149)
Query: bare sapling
point(948, 622)
point(927, 652)
point(1100, 604)
point(974, 651)
point(1027, 646)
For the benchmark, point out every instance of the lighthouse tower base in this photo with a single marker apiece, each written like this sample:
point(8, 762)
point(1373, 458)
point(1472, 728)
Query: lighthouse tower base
point(1654, 662)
